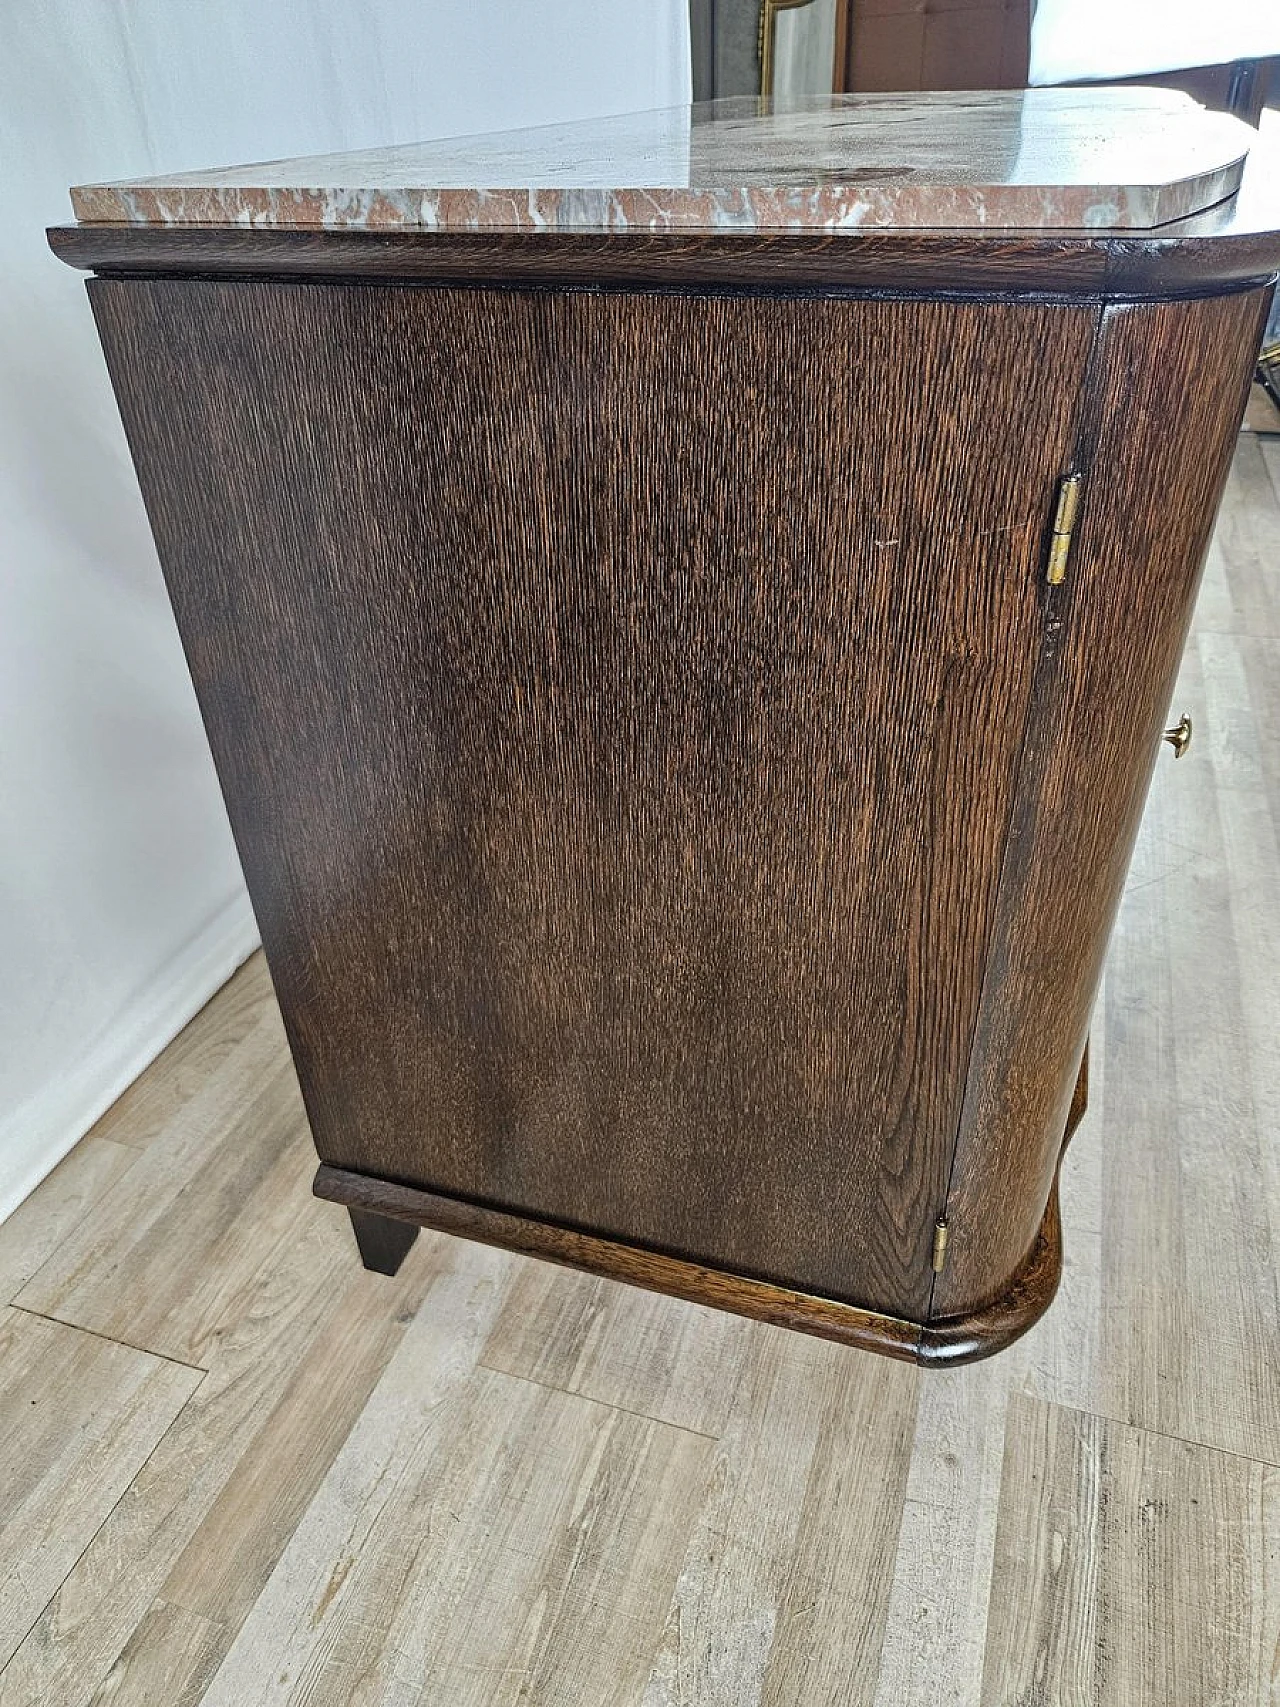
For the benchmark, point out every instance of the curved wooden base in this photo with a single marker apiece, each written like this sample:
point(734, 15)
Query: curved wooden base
point(616, 1261)
point(935, 1344)
point(959, 1339)
point(968, 1339)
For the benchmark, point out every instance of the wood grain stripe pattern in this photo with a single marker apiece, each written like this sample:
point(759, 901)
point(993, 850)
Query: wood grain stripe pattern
point(935, 1343)
point(1181, 260)
point(1155, 451)
point(577, 668)
point(653, 1502)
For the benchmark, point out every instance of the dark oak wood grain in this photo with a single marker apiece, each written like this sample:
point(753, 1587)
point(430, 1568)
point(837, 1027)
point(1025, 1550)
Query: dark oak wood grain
point(784, 1307)
point(1026, 1295)
point(1214, 251)
point(938, 1343)
point(618, 702)
point(684, 824)
point(935, 1344)
point(1169, 383)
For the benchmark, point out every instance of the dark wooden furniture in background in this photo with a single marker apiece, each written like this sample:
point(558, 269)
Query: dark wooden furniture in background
point(684, 786)
point(880, 45)
point(933, 44)
point(876, 45)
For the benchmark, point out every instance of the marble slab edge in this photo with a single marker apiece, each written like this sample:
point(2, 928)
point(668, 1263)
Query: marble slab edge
point(828, 208)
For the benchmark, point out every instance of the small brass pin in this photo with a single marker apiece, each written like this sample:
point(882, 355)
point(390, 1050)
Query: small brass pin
point(1179, 737)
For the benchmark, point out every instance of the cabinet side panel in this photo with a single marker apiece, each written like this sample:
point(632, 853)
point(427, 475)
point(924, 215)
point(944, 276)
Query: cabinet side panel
point(1171, 385)
point(618, 700)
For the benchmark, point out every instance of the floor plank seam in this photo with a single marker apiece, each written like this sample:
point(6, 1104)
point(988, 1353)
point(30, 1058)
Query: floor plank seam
point(1156, 1433)
point(590, 1399)
point(127, 1345)
point(112, 1509)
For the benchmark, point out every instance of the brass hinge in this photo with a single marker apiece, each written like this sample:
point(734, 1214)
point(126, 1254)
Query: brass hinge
point(1064, 521)
point(939, 1243)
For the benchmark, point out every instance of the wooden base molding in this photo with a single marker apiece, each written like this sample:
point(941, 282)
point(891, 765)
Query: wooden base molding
point(379, 1209)
point(957, 1339)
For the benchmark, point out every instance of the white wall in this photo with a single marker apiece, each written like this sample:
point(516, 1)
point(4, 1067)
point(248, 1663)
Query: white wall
point(121, 902)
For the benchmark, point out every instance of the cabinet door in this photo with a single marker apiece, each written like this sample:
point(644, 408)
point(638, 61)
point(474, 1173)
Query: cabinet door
point(618, 699)
point(1168, 387)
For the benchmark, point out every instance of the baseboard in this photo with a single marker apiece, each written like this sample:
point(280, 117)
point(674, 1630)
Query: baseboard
point(35, 1137)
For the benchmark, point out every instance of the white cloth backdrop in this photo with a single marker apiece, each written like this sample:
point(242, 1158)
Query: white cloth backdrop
point(1082, 40)
point(121, 902)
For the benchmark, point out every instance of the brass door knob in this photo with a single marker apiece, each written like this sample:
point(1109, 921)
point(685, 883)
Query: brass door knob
point(1179, 737)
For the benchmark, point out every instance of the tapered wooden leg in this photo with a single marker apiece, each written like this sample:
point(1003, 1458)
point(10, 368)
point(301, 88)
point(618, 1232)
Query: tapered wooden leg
point(384, 1243)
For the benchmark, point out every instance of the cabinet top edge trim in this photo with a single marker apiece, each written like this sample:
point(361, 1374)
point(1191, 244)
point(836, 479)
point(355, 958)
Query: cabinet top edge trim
point(932, 262)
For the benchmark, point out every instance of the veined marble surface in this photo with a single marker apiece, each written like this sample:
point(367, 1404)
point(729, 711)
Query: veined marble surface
point(1056, 159)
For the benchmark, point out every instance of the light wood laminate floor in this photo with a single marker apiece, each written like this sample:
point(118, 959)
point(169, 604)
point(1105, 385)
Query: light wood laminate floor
point(236, 1469)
